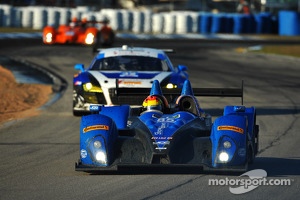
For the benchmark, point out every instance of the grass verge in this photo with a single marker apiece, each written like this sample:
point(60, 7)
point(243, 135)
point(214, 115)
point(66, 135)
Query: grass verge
point(288, 50)
point(18, 30)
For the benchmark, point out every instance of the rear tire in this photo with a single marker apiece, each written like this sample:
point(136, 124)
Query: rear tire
point(100, 41)
point(97, 44)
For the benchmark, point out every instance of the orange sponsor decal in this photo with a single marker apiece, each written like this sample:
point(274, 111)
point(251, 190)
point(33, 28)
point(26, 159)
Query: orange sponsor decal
point(95, 127)
point(132, 82)
point(231, 128)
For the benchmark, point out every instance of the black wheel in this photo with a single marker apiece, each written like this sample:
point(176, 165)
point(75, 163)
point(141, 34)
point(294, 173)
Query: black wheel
point(250, 155)
point(77, 103)
point(256, 139)
point(111, 39)
point(97, 44)
point(77, 113)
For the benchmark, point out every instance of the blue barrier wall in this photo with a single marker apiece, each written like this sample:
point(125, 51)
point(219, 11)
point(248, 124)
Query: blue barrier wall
point(261, 23)
point(222, 23)
point(289, 23)
point(205, 23)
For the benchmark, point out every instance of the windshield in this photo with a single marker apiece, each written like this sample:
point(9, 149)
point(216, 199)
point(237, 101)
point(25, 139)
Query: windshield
point(130, 63)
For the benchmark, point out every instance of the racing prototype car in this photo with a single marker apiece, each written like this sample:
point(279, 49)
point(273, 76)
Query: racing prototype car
point(94, 33)
point(178, 134)
point(123, 67)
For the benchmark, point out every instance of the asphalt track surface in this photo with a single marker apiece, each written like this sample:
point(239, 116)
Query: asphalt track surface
point(38, 153)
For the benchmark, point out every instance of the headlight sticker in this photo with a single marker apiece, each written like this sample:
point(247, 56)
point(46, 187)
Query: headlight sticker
point(77, 82)
point(83, 153)
point(95, 127)
point(231, 128)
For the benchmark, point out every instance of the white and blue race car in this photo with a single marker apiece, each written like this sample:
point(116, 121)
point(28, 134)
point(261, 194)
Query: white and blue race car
point(123, 67)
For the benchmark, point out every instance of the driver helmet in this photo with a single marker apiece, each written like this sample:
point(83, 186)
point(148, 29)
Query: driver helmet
point(152, 103)
point(74, 19)
point(73, 22)
point(84, 20)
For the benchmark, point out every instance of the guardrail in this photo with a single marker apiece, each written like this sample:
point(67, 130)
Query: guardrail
point(146, 21)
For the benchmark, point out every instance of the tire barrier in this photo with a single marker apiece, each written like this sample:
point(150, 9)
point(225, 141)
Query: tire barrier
point(263, 23)
point(205, 23)
point(146, 21)
point(244, 24)
point(222, 23)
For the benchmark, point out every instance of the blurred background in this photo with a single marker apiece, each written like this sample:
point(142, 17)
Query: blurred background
point(272, 6)
point(280, 17)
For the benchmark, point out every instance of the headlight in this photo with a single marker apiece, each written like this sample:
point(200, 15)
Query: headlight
point(171, 85)
point(97, 144)
point(88, 86)
point(89, 38)
point(223, 157)
point(226, 150)
point(101, 157)
point(48, 37)
point(227, 144)
point(91, 88)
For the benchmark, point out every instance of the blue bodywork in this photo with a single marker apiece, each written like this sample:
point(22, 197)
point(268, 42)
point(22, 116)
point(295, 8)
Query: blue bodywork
point(184, 136)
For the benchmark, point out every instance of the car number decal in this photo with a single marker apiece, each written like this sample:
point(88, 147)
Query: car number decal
point(70, 33)
point(129, 74)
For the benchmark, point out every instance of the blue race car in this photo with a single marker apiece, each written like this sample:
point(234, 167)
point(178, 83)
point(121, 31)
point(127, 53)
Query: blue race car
point(179, 134)
point(123, 67)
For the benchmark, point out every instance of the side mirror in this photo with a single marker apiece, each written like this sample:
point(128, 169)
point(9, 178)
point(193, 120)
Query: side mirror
point(182, 68)
point(79, 67)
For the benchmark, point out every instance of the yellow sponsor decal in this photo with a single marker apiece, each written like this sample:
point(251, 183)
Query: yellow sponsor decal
point(231, 128)
point(95, 127)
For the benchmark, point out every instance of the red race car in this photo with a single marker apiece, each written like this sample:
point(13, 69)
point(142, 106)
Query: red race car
point(94, 33)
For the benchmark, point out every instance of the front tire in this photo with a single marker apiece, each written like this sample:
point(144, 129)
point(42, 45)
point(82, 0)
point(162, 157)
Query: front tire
point(77, 103)
point(250, 155)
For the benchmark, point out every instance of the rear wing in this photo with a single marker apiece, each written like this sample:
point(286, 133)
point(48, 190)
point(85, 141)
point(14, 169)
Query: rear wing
point(173, 93)
point(126, 47)
point(168, 50)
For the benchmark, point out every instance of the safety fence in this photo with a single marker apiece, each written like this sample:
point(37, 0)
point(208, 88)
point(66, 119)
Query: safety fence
point(146, 21)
